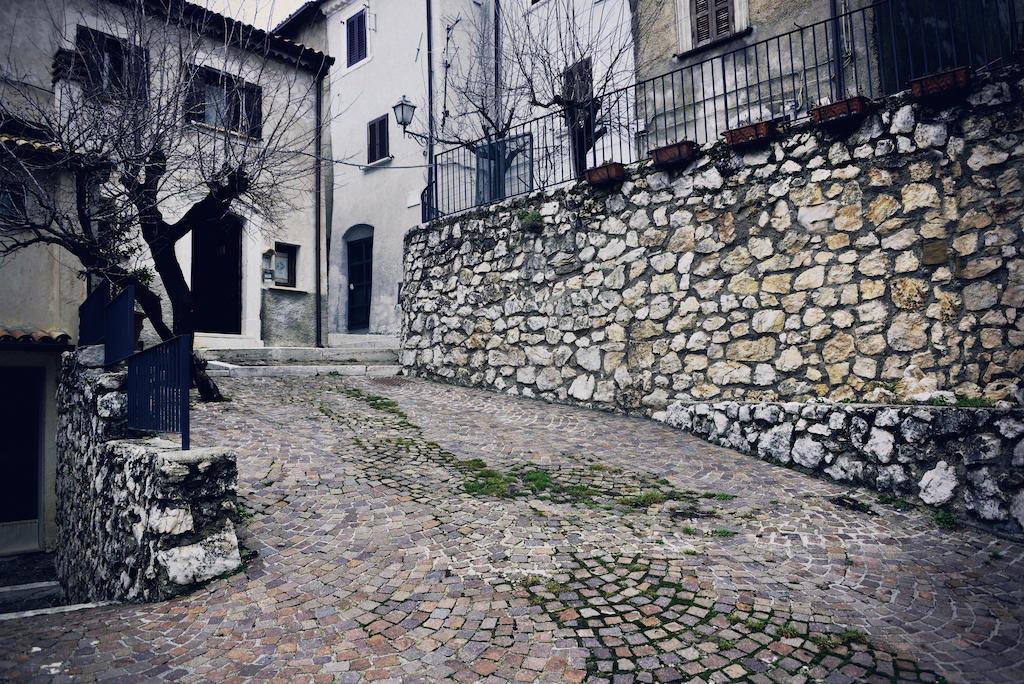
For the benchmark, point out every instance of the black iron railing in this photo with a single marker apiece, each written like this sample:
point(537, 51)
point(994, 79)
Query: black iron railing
point(872, 52)
point(158, 385)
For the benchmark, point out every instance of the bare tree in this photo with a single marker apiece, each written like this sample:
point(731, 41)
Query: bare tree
point(163, 120)
point(508, 64)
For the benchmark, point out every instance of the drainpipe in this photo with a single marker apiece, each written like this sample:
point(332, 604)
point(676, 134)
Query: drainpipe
point(318, 200)
point(430, 213)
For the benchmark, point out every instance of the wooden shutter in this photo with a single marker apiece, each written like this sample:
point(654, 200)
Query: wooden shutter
point(138, 72)
point(377, 139)
point(195, 96)
point(723, 18)
point(254, 110)
point(712, 19)
point(382, 137)
point(355, 34)
point(90, 46)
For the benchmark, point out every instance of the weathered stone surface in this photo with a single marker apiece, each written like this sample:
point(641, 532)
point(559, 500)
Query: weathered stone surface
point(774, 260)
point(952, 457)
point(938, 484)
point(139, 519)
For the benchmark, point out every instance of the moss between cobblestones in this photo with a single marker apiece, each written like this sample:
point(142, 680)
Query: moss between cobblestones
point(633, 615)
point(619, 608)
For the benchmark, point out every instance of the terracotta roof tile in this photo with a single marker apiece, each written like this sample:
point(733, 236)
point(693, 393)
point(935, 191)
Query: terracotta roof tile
point(18, 336)
point(23, 144)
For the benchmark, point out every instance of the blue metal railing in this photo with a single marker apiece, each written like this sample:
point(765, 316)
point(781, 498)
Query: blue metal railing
point(158, 385)
point(119, 327)
point(871, 52)
point(90, 315)
point(110, 323)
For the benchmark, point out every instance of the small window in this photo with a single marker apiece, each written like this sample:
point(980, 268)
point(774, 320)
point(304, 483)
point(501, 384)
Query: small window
point(225, 101)
point(112, 67)
point(712, 19)
point(377, 140)
point(285, 257)
point(355, 34)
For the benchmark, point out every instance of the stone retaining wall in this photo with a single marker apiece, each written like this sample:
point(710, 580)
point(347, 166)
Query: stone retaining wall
point(138, 519)
point(821, 266)
point(968, 460)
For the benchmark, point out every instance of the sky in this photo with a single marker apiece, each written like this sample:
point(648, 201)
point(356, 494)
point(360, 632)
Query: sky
point(261, 13)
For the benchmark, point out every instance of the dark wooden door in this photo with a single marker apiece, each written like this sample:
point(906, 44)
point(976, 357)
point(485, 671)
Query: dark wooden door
point(21, 415)
point(360, 283)
point(217, 278)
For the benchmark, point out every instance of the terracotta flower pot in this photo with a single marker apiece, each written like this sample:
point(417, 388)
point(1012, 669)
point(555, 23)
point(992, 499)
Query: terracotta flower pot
point(845, 111)
point(942, 84)
point(674, 155)
point(753, 134)
point(611, 173)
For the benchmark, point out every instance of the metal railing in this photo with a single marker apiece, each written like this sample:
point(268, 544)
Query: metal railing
point(90, 315)
point(158, 384)
point(119, 327)
point(872, 52)
point(108, 322)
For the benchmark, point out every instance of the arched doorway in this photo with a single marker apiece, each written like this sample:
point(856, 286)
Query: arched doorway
point(359, 247)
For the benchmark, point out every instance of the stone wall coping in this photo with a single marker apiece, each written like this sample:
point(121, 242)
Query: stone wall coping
point(800, 404)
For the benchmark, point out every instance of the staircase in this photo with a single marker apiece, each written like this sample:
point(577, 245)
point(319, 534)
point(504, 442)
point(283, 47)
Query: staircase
point(352, 355)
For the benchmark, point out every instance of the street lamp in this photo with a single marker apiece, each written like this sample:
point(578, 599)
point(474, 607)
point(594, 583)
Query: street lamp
point(404, 111)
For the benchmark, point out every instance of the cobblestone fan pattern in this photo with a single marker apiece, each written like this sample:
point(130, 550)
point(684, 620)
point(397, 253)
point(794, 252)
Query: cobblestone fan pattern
point(821, 266)
point(968, 460)
point(410, 531)
point(138, 519)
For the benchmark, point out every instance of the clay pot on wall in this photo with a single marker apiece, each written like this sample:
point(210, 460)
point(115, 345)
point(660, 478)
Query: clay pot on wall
point(674, 155)
point(754, 134)
point(850, 110)
point(941, 85)
point(609, 173)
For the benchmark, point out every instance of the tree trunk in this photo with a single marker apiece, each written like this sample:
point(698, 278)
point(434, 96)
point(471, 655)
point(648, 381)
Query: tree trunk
point(208, 390)
point(182, 308)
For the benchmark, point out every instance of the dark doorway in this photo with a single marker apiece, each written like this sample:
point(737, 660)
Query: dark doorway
point(21, 419)
point(217, 278)
point(360, 282)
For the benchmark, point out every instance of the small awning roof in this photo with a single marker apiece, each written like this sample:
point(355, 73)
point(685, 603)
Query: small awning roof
point(41, 338)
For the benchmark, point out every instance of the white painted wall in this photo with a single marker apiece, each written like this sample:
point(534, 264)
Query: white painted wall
point(385, 195)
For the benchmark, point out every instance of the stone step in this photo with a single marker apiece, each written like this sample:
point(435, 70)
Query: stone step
point(219, 369)
point(31, 596)
point(349, 341)
point(309, 356)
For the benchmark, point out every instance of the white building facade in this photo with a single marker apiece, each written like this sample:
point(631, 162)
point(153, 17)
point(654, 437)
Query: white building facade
point(380, 173)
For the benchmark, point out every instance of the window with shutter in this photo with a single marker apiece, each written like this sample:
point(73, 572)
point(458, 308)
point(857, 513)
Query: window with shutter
point(224, 101)
point(254, 110)
point(112, 67)
point(712, 19)
point(355, 34)
point(377, 140)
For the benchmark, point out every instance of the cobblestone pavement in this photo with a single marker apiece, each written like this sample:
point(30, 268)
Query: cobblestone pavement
point(410, 531)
